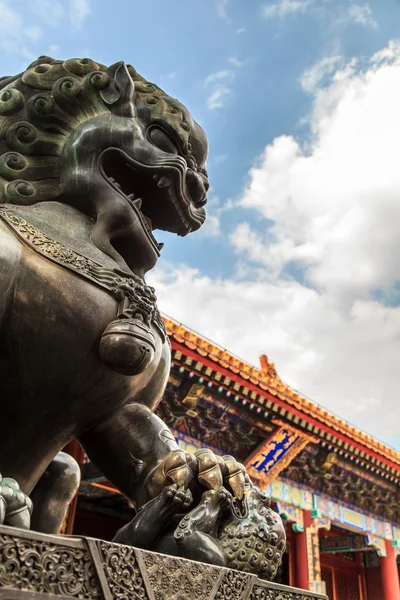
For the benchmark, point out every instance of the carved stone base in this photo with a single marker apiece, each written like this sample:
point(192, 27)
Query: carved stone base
point(35, 566)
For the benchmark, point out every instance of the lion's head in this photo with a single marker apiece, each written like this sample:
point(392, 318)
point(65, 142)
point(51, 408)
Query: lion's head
point(107, 142)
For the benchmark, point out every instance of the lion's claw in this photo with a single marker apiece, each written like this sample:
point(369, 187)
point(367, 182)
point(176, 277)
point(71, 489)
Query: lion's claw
point(216, 472)
point(174, 495)
point(177, 468)
point(221, 497)
point(211, 471)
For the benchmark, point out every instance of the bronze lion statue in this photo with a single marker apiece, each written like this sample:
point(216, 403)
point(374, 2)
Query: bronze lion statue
point(93, 159)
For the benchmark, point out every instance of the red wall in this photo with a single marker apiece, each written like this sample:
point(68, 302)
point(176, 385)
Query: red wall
point(95, 525)
point(374, 583)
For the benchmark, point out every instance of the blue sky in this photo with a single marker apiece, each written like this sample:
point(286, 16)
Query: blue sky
point(298, 98)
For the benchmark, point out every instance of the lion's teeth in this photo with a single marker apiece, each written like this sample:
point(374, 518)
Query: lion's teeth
point(131, 196)
point(138, 203)
point(164, 182)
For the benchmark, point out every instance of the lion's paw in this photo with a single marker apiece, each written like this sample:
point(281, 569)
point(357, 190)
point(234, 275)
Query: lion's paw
point(177, 496)
point(15, 506)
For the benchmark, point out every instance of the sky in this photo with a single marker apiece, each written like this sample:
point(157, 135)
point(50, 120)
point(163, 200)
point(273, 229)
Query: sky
point(300, 255)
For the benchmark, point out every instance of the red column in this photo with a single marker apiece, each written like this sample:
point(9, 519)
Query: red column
point(301, 559)
point(390, 576)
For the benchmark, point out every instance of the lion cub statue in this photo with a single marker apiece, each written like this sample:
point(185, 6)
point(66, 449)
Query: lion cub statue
point(240, 534)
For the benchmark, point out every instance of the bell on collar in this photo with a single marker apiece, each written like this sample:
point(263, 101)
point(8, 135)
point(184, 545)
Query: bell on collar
point(127, 346)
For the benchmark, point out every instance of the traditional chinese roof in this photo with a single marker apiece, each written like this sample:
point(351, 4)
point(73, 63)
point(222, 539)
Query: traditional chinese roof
point(261, 390)
point(214, 424)
point(328, 473)
point(213, 399)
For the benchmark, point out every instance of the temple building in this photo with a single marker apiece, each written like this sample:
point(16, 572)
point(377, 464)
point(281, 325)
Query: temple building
point(336, 488)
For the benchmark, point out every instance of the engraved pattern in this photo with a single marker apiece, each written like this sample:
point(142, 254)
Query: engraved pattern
point(139, 296)
point(38, 566)
point(233, 586)
point(263, 593)
point(48, 566)
point(175, 579)
point(45, 244)
point(122, 572)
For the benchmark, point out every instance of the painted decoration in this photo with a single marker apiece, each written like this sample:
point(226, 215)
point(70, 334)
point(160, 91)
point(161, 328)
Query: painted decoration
point(275, 454)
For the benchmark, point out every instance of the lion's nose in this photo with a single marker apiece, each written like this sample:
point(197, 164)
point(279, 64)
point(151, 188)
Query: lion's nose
point(197, 187)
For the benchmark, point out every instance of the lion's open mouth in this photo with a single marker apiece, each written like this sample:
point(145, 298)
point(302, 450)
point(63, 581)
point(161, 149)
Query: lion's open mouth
point(240, 508)
point(156, 193)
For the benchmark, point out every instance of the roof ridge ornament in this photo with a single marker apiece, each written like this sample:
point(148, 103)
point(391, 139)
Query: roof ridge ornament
point(268, 368)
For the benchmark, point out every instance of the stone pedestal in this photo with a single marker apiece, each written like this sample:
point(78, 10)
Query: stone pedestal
point(36, 566)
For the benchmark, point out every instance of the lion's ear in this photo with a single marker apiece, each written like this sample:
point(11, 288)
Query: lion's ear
point(119, 96)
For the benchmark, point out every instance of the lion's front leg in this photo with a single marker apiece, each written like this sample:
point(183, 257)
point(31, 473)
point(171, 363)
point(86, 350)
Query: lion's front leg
point(127, 447)
point(137, 452)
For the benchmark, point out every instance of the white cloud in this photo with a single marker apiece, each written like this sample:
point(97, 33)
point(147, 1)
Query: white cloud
point(388, 55)
point(10, 27)
point(315, 74)
point(54, 49)
point(222, 6)
point(349, 366)
point(212, 226)
point(218, 75)
point(335, 219)
point(78, 11)
point(235, 61)
point(241, 30)
point(51, 12)
point(335, 206)
point(13, 34)
point(33, 33)
point(285, 7)
point(361, 14)
point(217, 97)
point(220, 91)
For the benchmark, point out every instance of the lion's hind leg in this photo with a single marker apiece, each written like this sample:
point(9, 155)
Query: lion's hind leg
point(53, 493)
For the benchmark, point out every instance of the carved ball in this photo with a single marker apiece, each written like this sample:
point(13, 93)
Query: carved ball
point(127, 346)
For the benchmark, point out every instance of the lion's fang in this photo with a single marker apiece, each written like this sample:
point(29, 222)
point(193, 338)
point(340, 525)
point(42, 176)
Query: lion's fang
point(164, 182)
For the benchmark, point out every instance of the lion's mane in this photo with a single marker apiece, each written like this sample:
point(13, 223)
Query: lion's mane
point(41, 107)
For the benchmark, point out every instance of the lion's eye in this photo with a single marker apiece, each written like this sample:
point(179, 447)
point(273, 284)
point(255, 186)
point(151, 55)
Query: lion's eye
point(159, 138)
